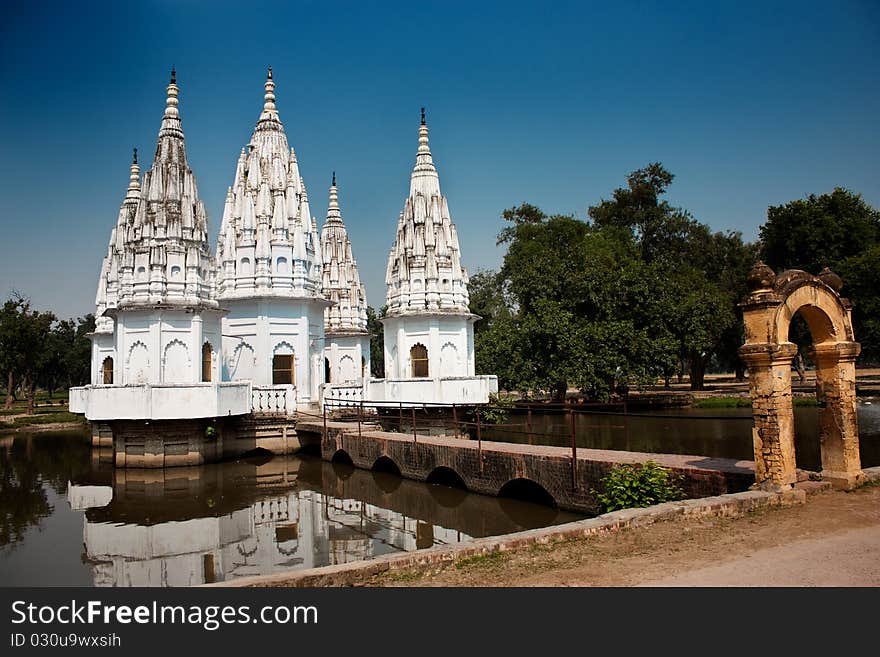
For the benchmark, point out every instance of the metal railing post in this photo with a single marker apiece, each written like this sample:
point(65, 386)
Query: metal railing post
point(360, 414)
point(325, 423)
point(529, 421)
point(415, 439)
point(455, 422)
point(573, 451)
point(479, 441)
point(400, 418)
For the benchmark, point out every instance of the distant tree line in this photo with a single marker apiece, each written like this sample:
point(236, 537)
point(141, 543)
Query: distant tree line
point(642, 291)
point(39, 350)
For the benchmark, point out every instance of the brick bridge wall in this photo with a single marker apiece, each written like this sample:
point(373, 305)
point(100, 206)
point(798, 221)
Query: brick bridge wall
point(489, 469)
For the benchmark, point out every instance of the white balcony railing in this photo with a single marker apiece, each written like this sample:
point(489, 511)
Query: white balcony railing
point(273, 400)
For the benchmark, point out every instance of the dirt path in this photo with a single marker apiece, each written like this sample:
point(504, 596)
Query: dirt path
point(832, 540)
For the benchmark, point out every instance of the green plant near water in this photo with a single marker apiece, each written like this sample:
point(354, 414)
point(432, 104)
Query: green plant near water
point(498, 409)
point(631, 486)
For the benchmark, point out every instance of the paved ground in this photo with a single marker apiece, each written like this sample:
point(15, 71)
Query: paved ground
point(832, 540)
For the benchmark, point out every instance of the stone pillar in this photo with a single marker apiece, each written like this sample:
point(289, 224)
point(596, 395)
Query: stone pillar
point(838, 419)
point(773, 434)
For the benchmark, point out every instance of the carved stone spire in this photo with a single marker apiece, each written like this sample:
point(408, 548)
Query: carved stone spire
point(341, 282)
point(268, 212)
point(159, 253)
point(424, 271)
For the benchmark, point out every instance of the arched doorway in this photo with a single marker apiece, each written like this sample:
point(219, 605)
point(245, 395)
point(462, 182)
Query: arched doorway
point(418, 356)
point(107, 371)
point(326, 370)
point(768, 353)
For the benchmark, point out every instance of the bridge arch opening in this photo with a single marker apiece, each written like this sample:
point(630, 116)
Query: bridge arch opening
point(341, 456)
point(527, 490)
point(385, 464)
point(444, 476)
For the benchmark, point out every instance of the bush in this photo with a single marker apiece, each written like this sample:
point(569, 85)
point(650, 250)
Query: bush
point(631, 486)
point(498, 409)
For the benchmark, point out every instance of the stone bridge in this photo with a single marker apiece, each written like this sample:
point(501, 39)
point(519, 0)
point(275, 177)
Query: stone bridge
point(538, 472)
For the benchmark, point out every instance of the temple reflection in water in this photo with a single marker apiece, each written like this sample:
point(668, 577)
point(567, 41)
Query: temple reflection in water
point(189, 526)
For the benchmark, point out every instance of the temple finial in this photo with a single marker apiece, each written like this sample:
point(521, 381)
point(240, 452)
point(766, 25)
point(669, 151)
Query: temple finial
point(134, 159)
point(269, 111)
point(334, 179)
point(423, 116)
point(173, 76)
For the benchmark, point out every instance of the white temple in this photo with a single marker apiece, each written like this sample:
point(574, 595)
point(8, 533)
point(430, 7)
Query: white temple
point(429, 329)
point(280, 309)
point(158, 321)
point(347, 342)
point(269, 270)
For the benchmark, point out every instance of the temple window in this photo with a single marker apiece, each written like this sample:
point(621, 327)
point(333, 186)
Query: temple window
point(282, 369)
point(107, 371)
point(418, 356)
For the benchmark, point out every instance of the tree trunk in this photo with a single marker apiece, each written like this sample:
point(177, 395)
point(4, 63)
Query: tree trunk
point(10, 388)
point(559, 391)
point(740, 371)
point(29, 386)
point(698, 372)
point(666, 378)
point(800, 367)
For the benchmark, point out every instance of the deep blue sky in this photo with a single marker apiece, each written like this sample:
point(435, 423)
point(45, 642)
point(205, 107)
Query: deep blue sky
point(748, 104)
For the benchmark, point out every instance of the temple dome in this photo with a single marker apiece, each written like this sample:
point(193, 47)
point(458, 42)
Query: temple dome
point(268, 244)
point(424, 273)
point(158, 253)
point(341, 281)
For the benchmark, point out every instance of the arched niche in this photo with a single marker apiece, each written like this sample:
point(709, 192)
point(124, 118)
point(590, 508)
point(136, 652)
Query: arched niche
point(767, 313)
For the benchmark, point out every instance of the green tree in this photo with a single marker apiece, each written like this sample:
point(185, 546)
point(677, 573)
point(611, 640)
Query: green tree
point(837, 230)
point(698, 275)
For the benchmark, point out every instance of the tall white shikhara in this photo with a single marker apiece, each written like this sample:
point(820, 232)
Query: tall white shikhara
point(429, 329)
point(347, 350)
point(158, 319)
point(424, 266)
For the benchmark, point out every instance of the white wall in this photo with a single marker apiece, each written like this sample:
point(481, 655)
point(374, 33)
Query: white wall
point(255, 330)
point(448, 339)
point(348, 357)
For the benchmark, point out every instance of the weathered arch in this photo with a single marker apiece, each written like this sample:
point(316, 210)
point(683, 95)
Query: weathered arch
point(446, 477)
point(527, 490)
point(385, 464)
point(767, 313)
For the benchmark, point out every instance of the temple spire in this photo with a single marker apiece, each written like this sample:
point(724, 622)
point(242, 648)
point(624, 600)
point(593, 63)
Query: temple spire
point(134, 181)
point(333, 213)
point(269, 119)
point(171, 119)
point(424, 176)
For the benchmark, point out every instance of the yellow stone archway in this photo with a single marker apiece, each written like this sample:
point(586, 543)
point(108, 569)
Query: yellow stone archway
point(767, 313)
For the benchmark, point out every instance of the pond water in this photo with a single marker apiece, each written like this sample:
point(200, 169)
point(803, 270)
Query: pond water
point(69, 518)
point(724, 432)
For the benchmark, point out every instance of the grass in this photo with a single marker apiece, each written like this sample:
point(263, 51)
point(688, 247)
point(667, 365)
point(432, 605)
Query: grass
point(723, 402)
point(489, 560)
